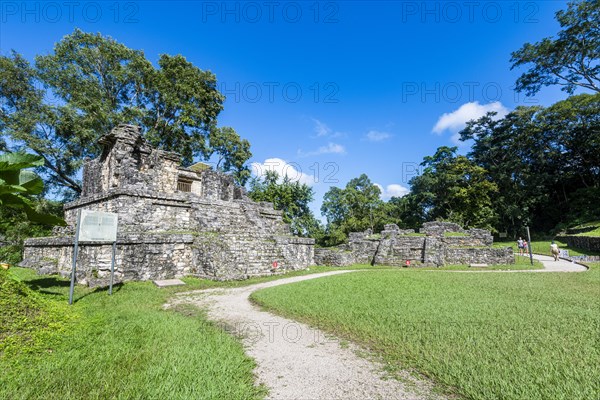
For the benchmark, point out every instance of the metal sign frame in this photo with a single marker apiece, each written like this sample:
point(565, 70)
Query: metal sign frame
point(110, 235)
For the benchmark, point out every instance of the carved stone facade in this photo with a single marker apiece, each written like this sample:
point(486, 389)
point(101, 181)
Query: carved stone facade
point(436, 244)
point(173, 221)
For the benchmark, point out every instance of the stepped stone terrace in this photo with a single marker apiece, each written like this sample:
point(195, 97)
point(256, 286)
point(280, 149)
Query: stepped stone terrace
point(173, 221)
point(436, 244)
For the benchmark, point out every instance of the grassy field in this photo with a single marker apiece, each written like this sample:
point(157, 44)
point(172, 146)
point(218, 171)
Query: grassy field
point(595, 232)
point(543, 247)
point(480, 336)
point(521, 263)
point(122, 346)
point(119, 346)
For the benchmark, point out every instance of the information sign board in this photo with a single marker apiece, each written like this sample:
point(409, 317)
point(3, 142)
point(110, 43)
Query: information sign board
point(98, 226)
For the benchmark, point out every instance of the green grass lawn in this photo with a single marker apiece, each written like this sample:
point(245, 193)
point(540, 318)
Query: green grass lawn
point(543, 247)
point(480, 336)
point(126, 345)
point(521, 263)
point(595, 232)
point(119, 346)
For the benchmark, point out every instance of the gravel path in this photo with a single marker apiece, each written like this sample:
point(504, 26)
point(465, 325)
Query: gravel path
point(548, 262)
point(558, 266)
point(296, 361)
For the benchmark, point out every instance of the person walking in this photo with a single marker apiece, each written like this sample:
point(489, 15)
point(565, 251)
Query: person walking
point(520, 246)
point(554, 250)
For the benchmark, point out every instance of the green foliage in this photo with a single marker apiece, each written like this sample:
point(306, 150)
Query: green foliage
point(571, 59)
point(453, 188)
point(479, 335)
point(29, 323)
point(182, 104)
point(232, 152)
point(15, 227)
point(355, 208)
point(17, 185)
point(544, 162)
point(292, 198)
point(58, 107)
point(22, 215)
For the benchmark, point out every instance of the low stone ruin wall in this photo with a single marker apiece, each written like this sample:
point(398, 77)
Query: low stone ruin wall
point(589, 243)
point(437, 244)
point(140, 257)
point(160, 256)
point(334, 257)
point(491, 256)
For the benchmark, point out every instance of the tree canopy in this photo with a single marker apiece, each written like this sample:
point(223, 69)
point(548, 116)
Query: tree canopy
point(453, 188)
point(61, 104)
point(292, 198)
point(355, 208)
point(571, 59)
point(545, 161)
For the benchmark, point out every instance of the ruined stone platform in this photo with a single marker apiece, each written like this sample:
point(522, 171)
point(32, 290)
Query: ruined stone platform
point(173, 221)
point(168, 282)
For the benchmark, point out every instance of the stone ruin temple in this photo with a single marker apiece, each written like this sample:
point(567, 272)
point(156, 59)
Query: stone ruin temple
point(173, 221)
point(436, 244)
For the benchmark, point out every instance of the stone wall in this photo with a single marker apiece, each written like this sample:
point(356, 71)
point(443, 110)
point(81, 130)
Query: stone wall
point(137, 257)
point(437, 228)
point(491, 256)
point(211, 229)
point(128, 161)
point(589, 243)
point(434, 246)
point(334, 257)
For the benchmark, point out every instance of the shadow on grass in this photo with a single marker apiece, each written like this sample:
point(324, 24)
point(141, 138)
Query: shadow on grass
point(56, 286)
point(116, 287)
point(45, 285)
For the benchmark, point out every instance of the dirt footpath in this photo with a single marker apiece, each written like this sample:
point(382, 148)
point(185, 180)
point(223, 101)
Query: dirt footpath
point(296, 361)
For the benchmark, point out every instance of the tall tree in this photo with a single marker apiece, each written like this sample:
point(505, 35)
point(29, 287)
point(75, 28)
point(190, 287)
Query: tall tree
point(231, 151)
point(58, 107)
point(292, 198)
point(571, 60)
point(453, 188)
point(545, 161)
point(355, 208)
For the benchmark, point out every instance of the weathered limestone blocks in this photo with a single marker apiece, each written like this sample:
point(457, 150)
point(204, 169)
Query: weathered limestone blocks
point(590, 243)
point(138, 257)
point(437, 244)
point(437, 228)
point(491, 256)
point(173, 221)
point(334, 256)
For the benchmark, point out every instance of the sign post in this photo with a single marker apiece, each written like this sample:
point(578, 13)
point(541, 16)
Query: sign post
point(529, 245)
point(112, 266)
point(95, 226)
point(75, 249)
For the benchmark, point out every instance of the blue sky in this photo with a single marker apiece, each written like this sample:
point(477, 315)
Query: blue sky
point(324, 91)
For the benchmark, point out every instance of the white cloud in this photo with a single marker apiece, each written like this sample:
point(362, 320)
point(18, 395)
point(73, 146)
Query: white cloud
point(456, 120)
point(283, 168)
point(393, 190)
point(323, 130)
point(331, 148)
point(377, 136)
